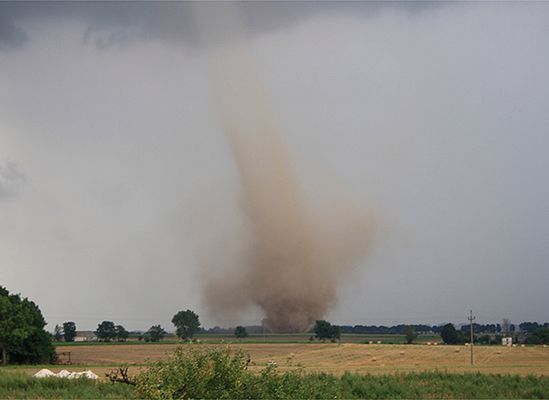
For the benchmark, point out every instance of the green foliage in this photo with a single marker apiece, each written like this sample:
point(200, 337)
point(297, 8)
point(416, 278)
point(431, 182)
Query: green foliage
point(35, 349)
point(22, 335)
point(16, 385)
point(241, 332)
point(529, 327)
point(410, 333)
point(450, 335)
point(540, 336)
point(443, 385)
point(69, 331)
point(186, 323)
point(194, 374)
point(106, 331)
point(324, 330)
point(155, 334)
point(217, 374)
point(121, 333)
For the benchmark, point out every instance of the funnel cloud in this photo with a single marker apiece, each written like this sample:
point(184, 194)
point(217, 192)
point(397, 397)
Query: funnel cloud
point(290, 262)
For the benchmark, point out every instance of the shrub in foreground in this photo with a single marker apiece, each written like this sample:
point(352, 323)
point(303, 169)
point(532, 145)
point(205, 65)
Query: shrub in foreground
point(217, 374)
point(195, 374)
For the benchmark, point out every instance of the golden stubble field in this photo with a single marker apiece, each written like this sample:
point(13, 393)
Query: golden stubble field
point(332, 358)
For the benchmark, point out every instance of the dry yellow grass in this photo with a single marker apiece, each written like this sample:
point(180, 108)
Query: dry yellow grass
point(338, 358)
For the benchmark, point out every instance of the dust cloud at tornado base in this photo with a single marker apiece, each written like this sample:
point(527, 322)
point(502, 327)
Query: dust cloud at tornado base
point(287, 256)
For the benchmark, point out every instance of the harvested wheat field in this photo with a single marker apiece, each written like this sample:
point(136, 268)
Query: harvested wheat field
point(337, 358)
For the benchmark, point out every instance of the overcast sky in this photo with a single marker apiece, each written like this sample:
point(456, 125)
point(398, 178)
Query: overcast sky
point(434, 116)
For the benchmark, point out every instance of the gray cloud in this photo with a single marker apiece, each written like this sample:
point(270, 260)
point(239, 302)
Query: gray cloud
point(12, 180)
point(11, 35)
point(112, 23)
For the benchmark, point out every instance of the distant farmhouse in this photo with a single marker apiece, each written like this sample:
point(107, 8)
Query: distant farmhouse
point(85, 336)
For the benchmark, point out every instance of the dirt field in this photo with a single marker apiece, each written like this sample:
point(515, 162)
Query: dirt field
point(334, 358)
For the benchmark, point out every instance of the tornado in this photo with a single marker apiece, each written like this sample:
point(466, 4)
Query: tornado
point(291, 263)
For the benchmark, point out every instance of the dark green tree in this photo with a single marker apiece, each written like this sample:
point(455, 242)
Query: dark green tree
point(22, 335)
point(57, 333)
point(69, 331)
point(540, 336)
point(155, 334)
point(450, 335)
point(186, 324)
point(410, 333)
point(529, 327)
point(324, 330)
point(121, 333)
point(241, 332)
point(106, 331)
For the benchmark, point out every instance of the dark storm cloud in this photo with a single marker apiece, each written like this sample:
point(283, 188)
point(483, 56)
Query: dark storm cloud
point(11, 36)
point(106, 23)
point(111, 23)
point(11, 180)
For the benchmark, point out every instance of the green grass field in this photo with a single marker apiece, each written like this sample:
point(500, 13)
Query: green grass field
point(17, 385)
point(404, 386)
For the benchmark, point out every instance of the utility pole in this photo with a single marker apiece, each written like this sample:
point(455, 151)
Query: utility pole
point(471, 319)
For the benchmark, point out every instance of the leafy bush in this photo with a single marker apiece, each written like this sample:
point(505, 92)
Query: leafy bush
point(210, 374)
point(194, 374)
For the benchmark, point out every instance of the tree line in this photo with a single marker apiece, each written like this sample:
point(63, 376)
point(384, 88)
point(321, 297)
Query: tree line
point(527, 327)
point(23, 338)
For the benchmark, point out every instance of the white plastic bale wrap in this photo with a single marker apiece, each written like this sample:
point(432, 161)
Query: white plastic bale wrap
point(46, 373)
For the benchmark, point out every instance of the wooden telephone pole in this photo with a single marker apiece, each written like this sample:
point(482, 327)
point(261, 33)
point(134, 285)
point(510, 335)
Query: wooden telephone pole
point(471, 319)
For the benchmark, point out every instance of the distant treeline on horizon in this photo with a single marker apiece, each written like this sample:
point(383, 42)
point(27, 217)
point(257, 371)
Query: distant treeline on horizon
point(527, 327)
